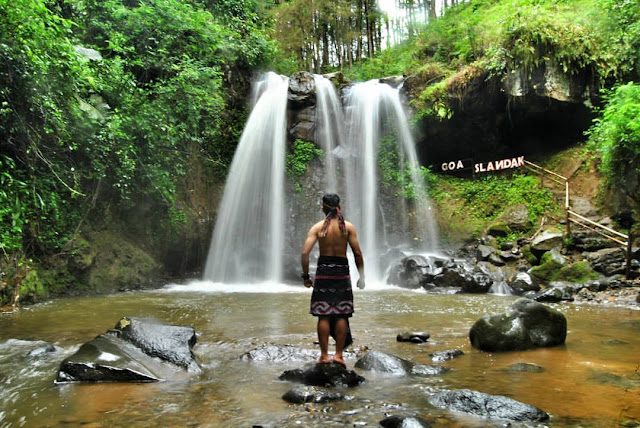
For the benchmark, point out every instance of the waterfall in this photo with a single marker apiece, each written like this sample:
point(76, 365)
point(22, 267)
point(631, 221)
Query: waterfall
point(329, 127)
point(370, 160)
point(379, 142)
point(248, 238)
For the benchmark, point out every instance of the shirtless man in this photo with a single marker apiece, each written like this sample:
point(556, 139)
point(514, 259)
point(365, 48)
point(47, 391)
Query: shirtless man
point(332, 297)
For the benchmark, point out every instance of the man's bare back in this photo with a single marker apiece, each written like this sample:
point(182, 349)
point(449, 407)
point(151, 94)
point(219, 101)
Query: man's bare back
point(332, 297)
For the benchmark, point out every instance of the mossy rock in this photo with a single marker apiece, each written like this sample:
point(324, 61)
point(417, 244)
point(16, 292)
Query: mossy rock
point(578, 272)
point(119, 264)
point(551, 270)
point(548, 270)
point(499, 229)
point(531, 258)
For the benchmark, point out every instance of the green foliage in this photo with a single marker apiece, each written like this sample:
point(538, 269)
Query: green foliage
point(616, 134)
point(302, 152)
point(433, 102)
point(394, 61)
point(473, 205)
point(599, 38)
point(32, 287)
point(395, 171)
point(83, 128)
point(487, 197)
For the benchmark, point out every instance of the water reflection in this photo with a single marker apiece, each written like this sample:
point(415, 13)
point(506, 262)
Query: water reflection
point(592, 380)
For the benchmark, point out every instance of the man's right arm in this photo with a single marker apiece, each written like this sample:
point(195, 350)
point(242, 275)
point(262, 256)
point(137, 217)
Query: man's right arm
point(312, 237)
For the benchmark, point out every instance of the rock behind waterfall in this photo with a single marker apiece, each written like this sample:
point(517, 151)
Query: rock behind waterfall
point(136, 350)
point(526, 325)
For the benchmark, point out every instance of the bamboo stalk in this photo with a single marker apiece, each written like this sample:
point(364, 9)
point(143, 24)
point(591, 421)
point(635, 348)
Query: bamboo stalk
point(546, 170)
point(623, 243)
point(622, 235)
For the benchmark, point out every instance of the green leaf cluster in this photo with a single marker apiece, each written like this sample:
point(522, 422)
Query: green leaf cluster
point(481, 201)
point(105, 104)
point(596, 38)
point(301, 153)
point(616, 134)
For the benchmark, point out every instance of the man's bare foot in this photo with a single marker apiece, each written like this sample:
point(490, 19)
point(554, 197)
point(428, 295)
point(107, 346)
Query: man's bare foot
point(323, 360)
point(340, 361)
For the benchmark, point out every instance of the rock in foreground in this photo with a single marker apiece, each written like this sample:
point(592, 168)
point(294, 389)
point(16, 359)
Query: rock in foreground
point(135, 351)
point(327, 375)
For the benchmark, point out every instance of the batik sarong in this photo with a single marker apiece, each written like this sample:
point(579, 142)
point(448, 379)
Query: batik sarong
point(332, 295)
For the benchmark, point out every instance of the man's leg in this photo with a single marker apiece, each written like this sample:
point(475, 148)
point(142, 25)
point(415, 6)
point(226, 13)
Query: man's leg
point(341, 335)
point(323, 338)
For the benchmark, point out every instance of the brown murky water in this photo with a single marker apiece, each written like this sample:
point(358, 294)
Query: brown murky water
point(591, 381)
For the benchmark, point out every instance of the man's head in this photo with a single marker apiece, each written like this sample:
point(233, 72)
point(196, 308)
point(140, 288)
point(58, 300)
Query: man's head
point(330, 202)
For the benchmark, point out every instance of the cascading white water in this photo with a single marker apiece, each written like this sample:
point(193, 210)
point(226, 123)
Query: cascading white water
point(329, 129)
point(374, 112)
point(372, 130)
point(248, 237)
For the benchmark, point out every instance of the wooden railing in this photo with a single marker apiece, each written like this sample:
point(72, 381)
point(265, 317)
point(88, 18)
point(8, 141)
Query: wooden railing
point(577, 219)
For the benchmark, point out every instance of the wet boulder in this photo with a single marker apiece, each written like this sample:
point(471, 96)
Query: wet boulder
point(400, 421)
point(484, 252)
point(487, 406)
point(411, 272)
point(380, 362)
point(516, 217)
point(546, 241)
point(41, 351)
point(327, 375)
point(476, 281)
point(526, 324)
point(608, 261)
point(311, 394)
point(384, 363)
point(135, 351)
point(523, 283)
point(171, 343)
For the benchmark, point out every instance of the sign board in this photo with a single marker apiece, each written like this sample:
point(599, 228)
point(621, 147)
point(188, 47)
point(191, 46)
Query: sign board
point(465, 164)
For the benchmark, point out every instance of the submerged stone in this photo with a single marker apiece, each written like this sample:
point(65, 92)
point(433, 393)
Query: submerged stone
point(411, 337)
point(279, 353)
point(488, 406)
point(447, 355)
point(311, 394)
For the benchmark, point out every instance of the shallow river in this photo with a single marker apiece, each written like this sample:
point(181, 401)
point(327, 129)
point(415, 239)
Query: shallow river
point(591, 381)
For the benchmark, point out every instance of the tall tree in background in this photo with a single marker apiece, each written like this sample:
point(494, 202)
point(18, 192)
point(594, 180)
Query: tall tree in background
point(322, 35)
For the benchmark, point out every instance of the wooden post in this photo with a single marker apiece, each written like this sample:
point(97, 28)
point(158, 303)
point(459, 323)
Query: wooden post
point(627, 271)
point(566, 210)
